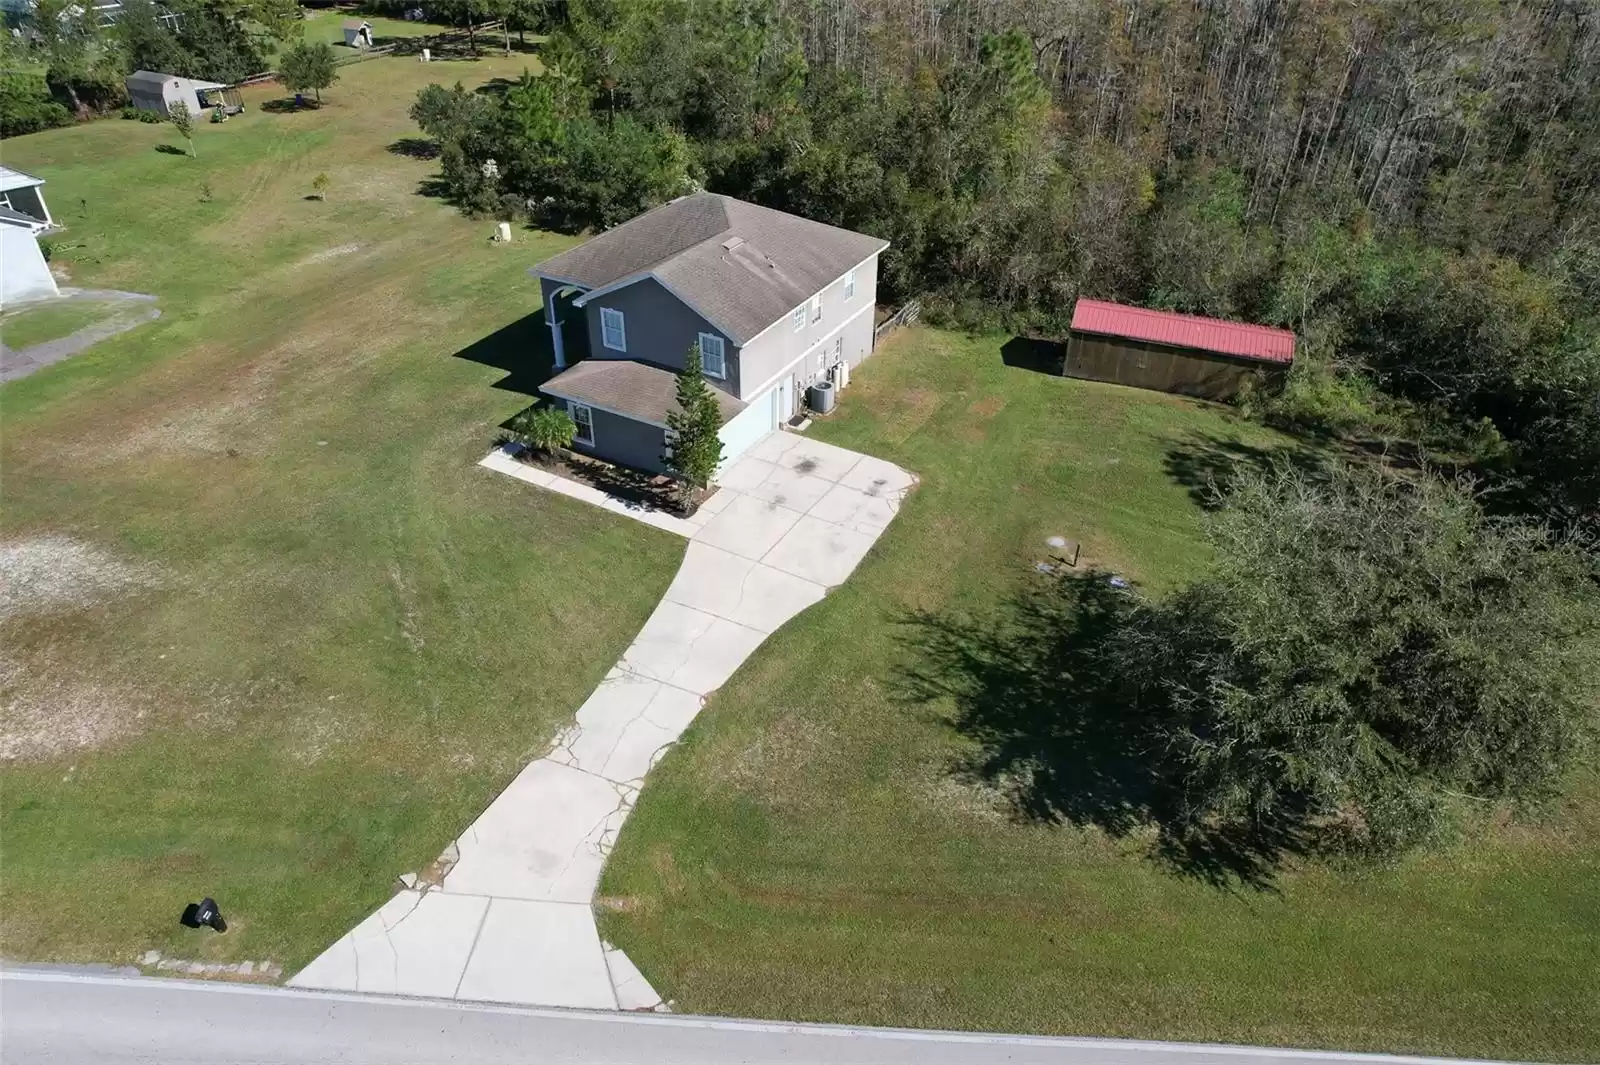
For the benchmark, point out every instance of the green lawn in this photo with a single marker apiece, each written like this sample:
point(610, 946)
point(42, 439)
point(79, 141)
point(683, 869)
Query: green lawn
point(809, 853)
point(328, 25)
point(37, 324)
point(311, 639)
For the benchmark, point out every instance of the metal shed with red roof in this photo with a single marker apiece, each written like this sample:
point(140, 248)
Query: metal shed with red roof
point(1169, 352)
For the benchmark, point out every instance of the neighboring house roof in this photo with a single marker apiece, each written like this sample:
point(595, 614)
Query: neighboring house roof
point(16, 179)
point(149, 79)
point(156, 82)
point(742, 267)
point(633, 389)
point(25, 221)
point(1184, 331)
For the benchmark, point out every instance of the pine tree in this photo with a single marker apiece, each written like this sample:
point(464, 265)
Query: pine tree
point(694, 448)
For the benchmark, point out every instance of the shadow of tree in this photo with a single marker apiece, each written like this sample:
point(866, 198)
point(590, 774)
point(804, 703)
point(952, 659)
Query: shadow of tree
point(415, 148)
point(651, 491)
point(1067, 737)
point(289, 105)
point(171, 149)
point(1205, 463)
point(1036, 354)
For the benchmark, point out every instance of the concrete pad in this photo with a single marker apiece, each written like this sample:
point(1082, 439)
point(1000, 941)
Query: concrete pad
point(538, 953)
point(415, 944)
point(715, 502)
point(624, 724)
point(502, 461)
point(745, 473)
point(740, 589)
point(820, 551)
point(772, 447)
point(689, 648)
point(855, 509)
point(876, 477)
point(633, 991)
point(816, 459)
point(790, 488)
point(748, 526)
point(541, 838)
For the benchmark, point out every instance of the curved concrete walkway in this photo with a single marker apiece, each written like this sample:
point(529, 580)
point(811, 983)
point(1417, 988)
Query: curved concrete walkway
point(510, 919)
point(124, 311)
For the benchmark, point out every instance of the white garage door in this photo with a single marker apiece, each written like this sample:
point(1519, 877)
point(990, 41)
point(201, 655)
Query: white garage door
point(748, 426)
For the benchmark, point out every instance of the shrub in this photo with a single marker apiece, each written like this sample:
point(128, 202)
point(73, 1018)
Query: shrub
point(26, 106)
point(1367, 652)
point(544, 429)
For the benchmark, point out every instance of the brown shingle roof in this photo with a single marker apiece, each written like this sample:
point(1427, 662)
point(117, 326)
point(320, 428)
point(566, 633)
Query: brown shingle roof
point(743, 267)
point(628, 387)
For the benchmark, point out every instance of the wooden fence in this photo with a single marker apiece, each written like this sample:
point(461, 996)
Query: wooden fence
point(909, 312)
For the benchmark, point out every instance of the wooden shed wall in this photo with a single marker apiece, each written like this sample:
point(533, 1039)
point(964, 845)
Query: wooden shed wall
point(1186, 371)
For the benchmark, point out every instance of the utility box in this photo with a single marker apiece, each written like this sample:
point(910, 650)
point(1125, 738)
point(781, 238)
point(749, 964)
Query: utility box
point(820, 397)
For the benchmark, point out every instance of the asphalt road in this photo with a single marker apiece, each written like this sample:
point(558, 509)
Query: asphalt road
point(49, 1017)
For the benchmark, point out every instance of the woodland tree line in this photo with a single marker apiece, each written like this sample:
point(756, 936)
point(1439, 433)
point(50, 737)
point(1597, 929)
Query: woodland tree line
point(1409, 185)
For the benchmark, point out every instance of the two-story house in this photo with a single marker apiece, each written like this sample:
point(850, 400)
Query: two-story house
point(773, 300)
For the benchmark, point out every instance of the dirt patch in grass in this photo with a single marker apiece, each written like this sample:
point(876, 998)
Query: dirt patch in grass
point(769, 766)
point(964, 800)
point(619, 903)
point(329, 253)
point(909, 412)
point(988, 407)
point(51, 713)
point(56, 574)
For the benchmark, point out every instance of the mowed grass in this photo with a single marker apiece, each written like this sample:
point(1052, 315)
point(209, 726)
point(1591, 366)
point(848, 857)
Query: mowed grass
point(341, 638)
point(328, 26)
point(808, 852)
point(34, 325)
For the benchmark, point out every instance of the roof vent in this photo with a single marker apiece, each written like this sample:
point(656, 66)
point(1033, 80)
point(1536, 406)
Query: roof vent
point(732, 243)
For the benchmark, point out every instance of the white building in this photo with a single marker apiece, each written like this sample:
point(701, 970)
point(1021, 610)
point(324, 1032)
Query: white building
point(24, 273)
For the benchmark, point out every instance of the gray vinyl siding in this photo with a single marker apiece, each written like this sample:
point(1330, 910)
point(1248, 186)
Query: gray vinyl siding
point(658, 327)
point(781, 345)
point(624, 441)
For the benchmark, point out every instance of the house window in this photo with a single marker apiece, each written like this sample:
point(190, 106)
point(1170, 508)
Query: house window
point(613, 331)
point(583, 418)
point(713, 355)
point(816, 308)
point(799, 318)
point(850, 285)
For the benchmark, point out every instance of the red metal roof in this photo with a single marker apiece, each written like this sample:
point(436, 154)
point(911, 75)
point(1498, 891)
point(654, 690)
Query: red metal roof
point(1184, 331)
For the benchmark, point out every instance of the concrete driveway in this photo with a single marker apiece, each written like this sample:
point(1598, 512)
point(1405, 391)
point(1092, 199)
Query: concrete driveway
point(511, 920)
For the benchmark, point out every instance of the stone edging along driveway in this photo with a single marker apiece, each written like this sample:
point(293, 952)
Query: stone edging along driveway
point(510, 918)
